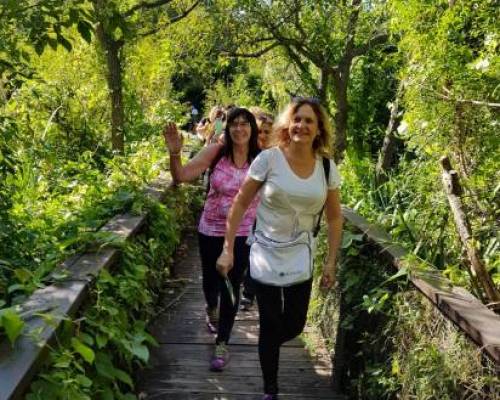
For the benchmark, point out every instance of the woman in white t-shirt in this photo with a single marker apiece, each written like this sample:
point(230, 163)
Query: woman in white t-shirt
point(293, 190)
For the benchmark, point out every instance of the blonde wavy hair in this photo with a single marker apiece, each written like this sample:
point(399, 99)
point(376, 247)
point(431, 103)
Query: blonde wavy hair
point(322, 142)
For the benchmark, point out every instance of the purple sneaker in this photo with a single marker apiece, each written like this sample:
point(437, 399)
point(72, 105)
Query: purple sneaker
point(212, 320)
point(270, 397)
point(220, 358)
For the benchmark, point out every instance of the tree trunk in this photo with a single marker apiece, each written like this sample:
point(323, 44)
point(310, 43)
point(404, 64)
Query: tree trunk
point(453, 191)
point(111, 48)
point(387, 156)
point(340, 82)
point(323, 86)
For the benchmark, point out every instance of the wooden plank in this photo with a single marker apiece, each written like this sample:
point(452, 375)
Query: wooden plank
point(241, 354)
point(179, 367)
point(217, 383)
point(458, 305)
point(88, 265)
point(124, 225)
point(173, 394)
point(20, 363)
point(158, 188)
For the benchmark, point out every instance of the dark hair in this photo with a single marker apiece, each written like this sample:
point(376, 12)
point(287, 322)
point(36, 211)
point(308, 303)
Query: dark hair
point(253, 148)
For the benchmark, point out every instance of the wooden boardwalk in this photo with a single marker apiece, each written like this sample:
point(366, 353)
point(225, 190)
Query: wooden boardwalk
point(179, 366)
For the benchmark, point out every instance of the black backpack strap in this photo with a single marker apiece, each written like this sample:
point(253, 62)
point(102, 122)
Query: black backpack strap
point(326, 168)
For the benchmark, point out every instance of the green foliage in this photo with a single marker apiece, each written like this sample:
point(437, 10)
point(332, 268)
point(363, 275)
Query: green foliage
point(396, 344)
point(11, 323)
point(25, 23)
point(98, 352)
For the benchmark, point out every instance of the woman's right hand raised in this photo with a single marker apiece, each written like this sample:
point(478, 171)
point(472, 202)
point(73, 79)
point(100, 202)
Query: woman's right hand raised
point(173, 139)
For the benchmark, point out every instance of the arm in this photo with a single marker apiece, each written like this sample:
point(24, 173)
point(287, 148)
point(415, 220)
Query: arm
point(240, 204)
point(196, 166)
point(334, 221)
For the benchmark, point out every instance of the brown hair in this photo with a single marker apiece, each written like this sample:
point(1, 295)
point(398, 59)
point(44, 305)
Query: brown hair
point(321, 144)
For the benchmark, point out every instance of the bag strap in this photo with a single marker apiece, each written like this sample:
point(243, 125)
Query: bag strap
point(326, 168)
point(211, 169)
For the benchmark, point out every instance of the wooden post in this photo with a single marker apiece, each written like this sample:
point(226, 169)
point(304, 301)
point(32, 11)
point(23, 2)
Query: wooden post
point(453, 190)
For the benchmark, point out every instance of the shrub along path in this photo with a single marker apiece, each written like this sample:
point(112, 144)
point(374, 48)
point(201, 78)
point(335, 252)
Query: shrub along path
point(179, 370)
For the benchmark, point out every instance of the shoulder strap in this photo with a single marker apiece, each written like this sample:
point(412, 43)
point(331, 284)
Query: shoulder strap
point(211, 169)
point(326, 168)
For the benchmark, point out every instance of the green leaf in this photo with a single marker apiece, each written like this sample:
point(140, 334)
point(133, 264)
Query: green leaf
point(140, 351)
point(64, 42)
point(86, 352)
point(104, 366)
point(83, 381)
point(39, 46)
point(124, 377)
point(15, 287)
point(85, 30)
point(12, 323)
point(23, 275)
point(101, 341)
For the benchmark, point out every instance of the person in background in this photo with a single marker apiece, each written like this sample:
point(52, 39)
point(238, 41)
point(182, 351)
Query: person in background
point(201, 128)
point(265, 126)
point(291, 179)
point(214, 132)
point(229, 163)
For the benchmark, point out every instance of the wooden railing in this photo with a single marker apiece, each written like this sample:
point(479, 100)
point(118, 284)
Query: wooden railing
point(468, 313)
point(19, 363)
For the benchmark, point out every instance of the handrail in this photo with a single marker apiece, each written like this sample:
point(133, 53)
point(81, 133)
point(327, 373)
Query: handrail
point(468, 313)
point(19, 363)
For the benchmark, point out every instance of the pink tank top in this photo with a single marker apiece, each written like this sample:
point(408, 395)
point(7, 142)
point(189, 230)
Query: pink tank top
point(225, 182)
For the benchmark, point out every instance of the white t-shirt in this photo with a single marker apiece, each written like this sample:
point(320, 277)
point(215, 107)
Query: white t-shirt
point(289, 204)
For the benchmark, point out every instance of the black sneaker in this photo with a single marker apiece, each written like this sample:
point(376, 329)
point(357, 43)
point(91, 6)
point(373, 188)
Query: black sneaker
point(246, 304)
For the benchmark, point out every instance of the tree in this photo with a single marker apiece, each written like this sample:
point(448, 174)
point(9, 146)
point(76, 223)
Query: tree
point(36, 24)
point(116, 27)
point(322, 39)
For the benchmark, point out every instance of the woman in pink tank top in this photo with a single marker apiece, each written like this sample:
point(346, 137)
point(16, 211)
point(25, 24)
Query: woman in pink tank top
point(227, 164)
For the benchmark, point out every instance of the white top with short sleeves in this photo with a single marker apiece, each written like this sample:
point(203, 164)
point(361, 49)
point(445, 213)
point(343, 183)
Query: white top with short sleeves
point(289, 204)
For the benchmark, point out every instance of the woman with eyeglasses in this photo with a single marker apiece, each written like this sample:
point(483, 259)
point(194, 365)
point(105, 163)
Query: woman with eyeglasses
point(228, 163)
point(294, 182)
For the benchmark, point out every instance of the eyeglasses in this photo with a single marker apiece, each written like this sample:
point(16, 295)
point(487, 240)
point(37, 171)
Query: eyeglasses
point(241, 124)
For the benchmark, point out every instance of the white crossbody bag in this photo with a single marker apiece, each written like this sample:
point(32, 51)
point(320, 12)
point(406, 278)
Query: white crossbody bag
point(284, 263)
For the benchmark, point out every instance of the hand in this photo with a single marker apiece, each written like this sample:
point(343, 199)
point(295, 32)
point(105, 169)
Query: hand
point(173, 139)
point(224, 263)
point(328, 279)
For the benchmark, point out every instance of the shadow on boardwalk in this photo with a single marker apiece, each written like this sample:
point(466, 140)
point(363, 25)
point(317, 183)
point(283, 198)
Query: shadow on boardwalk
point(179, 366)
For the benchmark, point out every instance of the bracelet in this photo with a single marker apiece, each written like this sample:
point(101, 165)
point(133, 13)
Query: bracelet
point(175, 154)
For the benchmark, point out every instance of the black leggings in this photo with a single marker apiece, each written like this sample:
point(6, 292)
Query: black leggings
point(213, 284)
point(283, 313)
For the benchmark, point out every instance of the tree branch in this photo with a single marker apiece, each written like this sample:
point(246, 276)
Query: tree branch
point(145, 5)
point(172, 20)
point(376, 40)
point(468, 101)
point(255, 54)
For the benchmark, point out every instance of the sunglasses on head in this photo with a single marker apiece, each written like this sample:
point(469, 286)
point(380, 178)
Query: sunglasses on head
point(302, 99)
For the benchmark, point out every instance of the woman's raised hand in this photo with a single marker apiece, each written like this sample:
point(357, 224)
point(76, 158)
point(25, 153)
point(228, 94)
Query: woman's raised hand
point(173, 139)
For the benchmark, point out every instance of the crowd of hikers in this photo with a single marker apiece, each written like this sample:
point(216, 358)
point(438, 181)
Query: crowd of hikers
point(268, 183)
